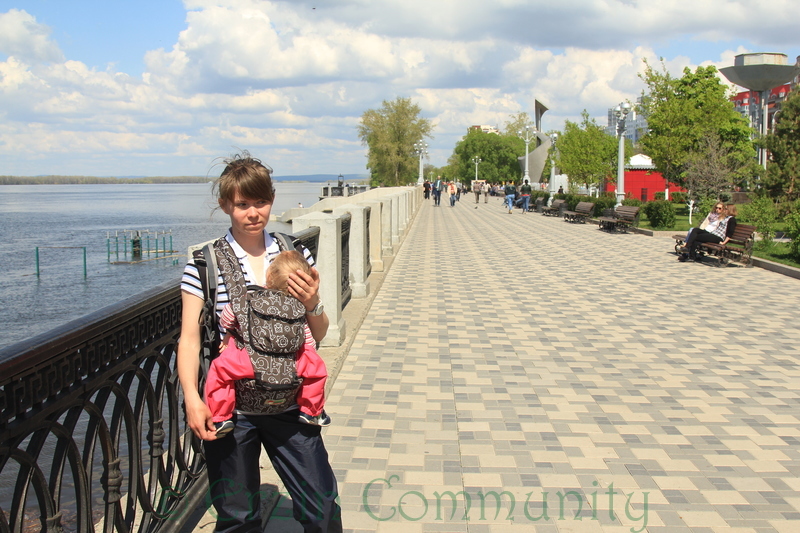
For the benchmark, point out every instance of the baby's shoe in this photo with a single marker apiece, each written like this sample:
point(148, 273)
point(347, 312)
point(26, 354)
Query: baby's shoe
point(322, 420)
point(224, 427)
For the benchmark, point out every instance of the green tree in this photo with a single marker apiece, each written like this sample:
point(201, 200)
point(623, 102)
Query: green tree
point(390, 133)
point(783, 171)
point(517, 123)
point(712, 168)
point(586, 153)
point(682, 112)
point(498, 153)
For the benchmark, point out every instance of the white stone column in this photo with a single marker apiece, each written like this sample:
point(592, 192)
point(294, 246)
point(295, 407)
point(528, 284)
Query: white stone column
point(359, 254)
point(375, 225)
point(386, 226)
point(329, 264)
point(395, 202)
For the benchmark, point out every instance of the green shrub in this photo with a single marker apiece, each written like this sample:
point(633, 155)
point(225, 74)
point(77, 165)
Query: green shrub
point(659, 195)
point(635, 202)
point(677, 197)
point(603, 202)
point(792, 220)
point(762, 214)
point(660, 214)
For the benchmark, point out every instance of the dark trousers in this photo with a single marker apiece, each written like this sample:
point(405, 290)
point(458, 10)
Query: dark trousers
point(298, 456)
point(696, 236)
point(437, 197)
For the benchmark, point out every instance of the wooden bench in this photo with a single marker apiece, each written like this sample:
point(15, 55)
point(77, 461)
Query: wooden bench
point(622, 218)
point(739, 249)
point(582, 211)
point(555, 209)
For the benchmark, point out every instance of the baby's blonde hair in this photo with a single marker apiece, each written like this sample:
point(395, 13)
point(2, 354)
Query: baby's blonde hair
point(284, 264)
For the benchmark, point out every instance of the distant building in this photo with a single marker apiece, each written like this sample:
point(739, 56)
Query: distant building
point(484, 129)
point(748, 103)
point(635, 124)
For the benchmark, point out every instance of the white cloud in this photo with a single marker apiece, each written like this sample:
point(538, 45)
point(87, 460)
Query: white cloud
point(25, 39)
point(291, 78)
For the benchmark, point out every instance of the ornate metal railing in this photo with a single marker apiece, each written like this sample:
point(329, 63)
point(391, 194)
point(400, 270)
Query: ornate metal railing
point(93, 436)
point(92, 431)
point(347, 291)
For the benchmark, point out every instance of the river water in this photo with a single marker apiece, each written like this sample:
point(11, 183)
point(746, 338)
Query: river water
point(62, 219)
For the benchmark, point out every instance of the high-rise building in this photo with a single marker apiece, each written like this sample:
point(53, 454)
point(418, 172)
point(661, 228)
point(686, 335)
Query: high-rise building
point(635, 124)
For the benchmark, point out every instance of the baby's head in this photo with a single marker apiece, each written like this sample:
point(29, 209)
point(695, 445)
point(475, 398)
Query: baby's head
point(283, 265)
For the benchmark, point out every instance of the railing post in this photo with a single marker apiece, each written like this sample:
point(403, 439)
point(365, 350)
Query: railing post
point(359, 254)
point(329, 264)
point(386, 226)
point(375, 224)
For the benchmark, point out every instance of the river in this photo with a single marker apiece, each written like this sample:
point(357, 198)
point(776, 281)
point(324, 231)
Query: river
point(63, 219)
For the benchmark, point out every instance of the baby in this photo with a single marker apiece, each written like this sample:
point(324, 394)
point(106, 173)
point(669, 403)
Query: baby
point(234, 362)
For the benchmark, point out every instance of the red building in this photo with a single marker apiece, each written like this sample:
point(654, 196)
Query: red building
point(642, 181)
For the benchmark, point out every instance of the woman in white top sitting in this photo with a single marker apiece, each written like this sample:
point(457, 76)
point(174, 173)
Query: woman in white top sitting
point(718, 230)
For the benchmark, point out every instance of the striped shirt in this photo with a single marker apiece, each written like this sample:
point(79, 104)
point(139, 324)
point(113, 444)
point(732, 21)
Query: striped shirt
point(190, 282)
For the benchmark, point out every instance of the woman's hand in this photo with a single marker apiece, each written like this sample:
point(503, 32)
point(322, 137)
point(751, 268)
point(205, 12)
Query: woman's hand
point(198, 418)
point(305, 287)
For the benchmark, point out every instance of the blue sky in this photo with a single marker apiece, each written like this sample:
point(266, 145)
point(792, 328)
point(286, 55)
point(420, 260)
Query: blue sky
point(163, 87)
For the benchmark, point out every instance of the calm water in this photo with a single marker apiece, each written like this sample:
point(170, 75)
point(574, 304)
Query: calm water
point(51, 216)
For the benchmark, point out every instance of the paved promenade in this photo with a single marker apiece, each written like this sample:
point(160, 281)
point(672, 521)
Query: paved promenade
point(551, 377)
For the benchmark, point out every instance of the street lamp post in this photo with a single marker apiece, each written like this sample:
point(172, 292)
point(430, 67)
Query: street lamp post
point(477, 161)
point(421, 149)
point(621, 112)
point(552, 185)
point(527, 137)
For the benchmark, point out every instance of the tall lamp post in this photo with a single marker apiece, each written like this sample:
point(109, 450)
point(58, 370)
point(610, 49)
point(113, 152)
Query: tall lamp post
point(477, 161)
point(552, 185)
point(621, 112)
point(527, 137)
point(421, 149)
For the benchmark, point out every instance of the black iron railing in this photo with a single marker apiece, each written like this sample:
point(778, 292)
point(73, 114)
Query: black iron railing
point(92, 428)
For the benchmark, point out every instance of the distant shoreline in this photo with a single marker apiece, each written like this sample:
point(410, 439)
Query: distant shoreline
point(93, 180)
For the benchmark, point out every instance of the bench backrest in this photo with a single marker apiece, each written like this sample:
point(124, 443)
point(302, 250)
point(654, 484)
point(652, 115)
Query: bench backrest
point(584, 207)
point(557, 203)
point(626, 212)
point(742, 233)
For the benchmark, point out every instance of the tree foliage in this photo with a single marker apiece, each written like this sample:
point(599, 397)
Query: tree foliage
point(586, 153)
point(498, 153)
point(783, 171)
point(711, 168)
point(517, 123)
point(682, 112)
point(390, 133)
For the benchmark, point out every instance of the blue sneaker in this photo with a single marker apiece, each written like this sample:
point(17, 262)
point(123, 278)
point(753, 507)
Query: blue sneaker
point(224, 427)
point(322, 420)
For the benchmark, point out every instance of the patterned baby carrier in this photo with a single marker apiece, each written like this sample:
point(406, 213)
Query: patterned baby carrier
point(271, 330)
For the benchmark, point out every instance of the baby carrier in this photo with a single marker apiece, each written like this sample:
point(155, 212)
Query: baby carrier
point(272, 330)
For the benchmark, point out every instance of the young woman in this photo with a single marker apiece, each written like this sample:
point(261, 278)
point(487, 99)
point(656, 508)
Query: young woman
point(717, 228)
point(245, 193)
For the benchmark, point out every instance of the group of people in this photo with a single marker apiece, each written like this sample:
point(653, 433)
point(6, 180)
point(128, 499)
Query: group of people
point(439, 187)
point(242, 408)
point(717, 227)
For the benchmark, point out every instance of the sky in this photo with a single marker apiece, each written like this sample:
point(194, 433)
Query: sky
point(167, 87)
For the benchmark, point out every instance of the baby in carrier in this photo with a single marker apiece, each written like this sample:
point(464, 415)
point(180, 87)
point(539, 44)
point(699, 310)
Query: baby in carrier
point(234, 363)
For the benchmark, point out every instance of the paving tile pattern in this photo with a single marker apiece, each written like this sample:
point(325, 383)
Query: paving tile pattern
point(587, 381)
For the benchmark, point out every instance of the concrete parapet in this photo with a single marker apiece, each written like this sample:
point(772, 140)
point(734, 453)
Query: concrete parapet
point(375, 224)
point(329, 264)
point(358, 249)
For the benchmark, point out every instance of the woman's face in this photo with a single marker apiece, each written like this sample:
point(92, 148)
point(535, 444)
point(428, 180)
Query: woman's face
point(248, 217)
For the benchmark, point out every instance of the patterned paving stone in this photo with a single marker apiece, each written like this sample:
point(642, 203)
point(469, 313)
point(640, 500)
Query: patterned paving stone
point(519, 373)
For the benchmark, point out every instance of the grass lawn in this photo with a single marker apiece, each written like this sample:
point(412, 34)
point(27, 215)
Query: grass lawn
point(778, 252)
